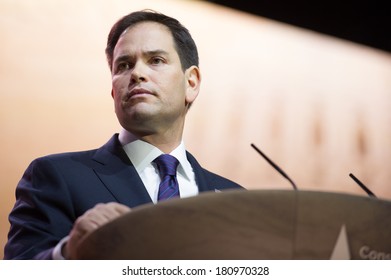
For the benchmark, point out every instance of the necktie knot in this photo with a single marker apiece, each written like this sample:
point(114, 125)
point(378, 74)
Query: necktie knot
point(167, 165)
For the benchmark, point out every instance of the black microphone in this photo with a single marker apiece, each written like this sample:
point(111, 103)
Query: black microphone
point(368, 191)
point(275, 167)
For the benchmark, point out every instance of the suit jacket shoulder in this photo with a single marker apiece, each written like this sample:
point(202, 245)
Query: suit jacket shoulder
point(56, 189)
point(208, 181)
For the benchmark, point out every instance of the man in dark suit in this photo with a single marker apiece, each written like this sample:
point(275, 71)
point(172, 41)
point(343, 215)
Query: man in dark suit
point(155, 79)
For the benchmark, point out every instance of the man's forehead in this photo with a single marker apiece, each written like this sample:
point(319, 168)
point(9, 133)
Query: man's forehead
point(148, 24)
point(146, 36)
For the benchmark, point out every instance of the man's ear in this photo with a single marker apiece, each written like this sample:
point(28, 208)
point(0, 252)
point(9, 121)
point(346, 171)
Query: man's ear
point(193, 79)
point(112, 93)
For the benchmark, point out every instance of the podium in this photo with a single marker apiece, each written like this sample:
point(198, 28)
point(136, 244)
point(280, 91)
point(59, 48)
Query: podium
point(253, 225)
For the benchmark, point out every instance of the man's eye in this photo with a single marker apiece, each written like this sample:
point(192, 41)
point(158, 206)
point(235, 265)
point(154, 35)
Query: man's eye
point(156, 60)
point(123, 66)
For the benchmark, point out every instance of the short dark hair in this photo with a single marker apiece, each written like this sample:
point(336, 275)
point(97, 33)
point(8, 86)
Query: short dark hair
point(184, 43)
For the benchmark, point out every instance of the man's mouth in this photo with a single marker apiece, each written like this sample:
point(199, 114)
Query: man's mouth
point(137, 92)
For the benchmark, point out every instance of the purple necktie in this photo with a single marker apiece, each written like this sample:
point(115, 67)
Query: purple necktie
point(167, 165)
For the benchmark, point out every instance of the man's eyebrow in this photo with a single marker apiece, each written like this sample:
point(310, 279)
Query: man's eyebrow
point(156, 52)
point(127, 57)
point(124, 57)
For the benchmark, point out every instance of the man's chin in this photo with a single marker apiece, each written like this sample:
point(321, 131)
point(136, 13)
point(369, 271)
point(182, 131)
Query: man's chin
point(138, 113)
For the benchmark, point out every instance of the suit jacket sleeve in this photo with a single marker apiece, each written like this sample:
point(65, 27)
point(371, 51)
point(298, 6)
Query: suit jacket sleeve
point(42, 214)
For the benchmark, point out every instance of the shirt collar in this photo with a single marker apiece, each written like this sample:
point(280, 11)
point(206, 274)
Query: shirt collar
point(141, 153)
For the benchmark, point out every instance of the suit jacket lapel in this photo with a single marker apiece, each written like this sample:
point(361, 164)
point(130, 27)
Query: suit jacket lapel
point(203, 183)
point(119, 175)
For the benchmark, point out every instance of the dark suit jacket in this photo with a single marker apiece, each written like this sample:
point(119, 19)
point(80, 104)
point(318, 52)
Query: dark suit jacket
point(55, 190)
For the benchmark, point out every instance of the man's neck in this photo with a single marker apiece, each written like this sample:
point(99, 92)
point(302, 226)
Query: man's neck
point(164, 143)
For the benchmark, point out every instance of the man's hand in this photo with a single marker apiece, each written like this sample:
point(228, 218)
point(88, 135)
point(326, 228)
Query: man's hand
point(90, 221)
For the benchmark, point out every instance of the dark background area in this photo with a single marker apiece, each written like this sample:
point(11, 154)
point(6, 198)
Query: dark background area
point(364, 22)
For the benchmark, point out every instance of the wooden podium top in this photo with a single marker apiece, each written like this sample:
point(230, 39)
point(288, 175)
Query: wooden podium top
point(259, 224)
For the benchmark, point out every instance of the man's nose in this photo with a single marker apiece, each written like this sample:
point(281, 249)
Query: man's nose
point(138, 73)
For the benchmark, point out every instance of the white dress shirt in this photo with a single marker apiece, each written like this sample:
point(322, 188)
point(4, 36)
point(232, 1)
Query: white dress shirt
point(141, 154)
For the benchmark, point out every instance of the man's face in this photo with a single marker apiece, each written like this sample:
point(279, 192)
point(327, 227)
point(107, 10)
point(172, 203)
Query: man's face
point(150, 90)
